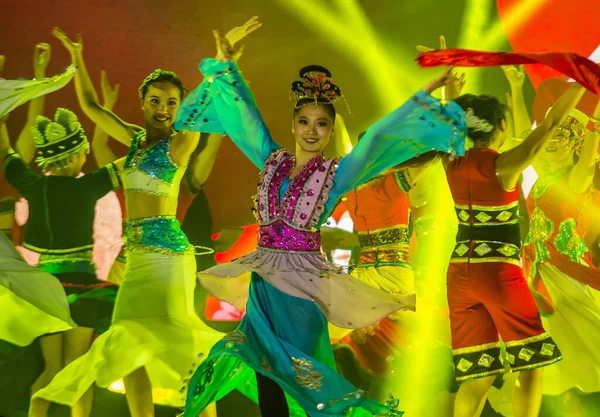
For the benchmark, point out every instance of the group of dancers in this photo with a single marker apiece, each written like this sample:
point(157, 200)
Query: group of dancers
point(296, 302)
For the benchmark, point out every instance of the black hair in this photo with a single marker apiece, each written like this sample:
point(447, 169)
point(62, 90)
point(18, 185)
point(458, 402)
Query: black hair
point(485, 107)
point(304, 101)
point(162, 76)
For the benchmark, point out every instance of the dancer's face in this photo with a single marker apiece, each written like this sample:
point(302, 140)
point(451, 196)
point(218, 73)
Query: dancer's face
point(313, 128)
point(160, 104)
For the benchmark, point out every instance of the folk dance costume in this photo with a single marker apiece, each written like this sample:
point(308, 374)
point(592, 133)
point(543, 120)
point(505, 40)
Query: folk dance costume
point(380, 211)
point(154, 324)
point(60, 224)
point(487, 293)
point(293, 291)
point(562, 271)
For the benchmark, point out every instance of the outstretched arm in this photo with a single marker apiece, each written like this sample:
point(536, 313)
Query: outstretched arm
point(102, 152)
point(186, 140)
point(88, 99)
point(582, 174)
point(511, 163)
point(25, 144)
point(420, 125)
point(223, 103)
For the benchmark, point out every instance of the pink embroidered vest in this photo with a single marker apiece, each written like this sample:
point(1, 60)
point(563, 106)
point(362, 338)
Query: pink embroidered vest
point(292, 224)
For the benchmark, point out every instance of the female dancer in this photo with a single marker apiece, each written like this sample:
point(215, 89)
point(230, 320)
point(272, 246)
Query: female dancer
point(293, 291)
point(487, 293)
point(560, 261)
point(155, 333)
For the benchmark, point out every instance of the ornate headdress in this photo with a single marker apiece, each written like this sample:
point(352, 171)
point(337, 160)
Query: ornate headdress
point(154, 75)
point(574, 128)
point(58, 140)
point(315, 83)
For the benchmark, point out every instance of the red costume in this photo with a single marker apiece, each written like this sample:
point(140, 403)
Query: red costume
point(380, 211)
point(487, 293)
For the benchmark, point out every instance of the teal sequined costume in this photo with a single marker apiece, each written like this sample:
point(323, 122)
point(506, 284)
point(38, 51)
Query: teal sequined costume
point(154, 323)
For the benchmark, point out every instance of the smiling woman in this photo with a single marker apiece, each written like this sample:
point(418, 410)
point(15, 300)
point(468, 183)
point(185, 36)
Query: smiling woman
point(293, 292)
point(155, 334)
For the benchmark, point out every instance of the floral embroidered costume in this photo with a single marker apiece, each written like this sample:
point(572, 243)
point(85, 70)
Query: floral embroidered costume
point(293, 291)
point(487, 293)
point(560, 267)
point(154, 323)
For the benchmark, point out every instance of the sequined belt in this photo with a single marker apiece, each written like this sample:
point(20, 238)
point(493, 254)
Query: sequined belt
point(384, 237)
point(56, 263)
point(476, 251)
point(279, 235)
point(7, 205)
point(488, 215)
point(160, 234)
point(397, 255)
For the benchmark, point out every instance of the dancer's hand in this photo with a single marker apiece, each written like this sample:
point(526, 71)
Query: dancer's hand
point(446, 78)
point(41, 58)
point(240, 32)
point(453, 89)
point(422, 48)
point(225, 50)
point(72, 46)
point(514, 75)
point(109, 94)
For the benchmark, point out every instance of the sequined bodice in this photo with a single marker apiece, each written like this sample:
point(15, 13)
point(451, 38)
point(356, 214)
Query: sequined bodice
point(151, 170)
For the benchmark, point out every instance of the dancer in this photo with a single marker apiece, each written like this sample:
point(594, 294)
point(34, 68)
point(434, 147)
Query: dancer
point(60, 229)
point(283, 337)
point(488, 246)
point(561, 208)
point(155, 333)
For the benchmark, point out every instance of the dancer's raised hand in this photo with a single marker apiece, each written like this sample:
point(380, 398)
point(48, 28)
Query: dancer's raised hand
point(240, 32)
point(72, 46)
point(110, 94)
point(41, 58)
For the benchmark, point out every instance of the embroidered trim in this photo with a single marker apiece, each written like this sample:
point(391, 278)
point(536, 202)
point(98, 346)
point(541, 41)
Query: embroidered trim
point(113, 175)
point(57, 251)
point(385, 236)
point(478, 251)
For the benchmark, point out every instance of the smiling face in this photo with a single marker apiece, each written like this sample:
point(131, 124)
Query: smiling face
point(313, 127)
point(160, 105)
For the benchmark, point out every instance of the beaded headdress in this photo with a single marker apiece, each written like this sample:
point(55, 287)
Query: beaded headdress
point(154, 75)
point(574, 128)
point(58, 139)
point(315, 83)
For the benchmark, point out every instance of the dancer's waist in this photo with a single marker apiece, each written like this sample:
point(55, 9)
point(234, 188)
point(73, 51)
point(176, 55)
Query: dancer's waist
point(156, 234)
point(397, 254)
point(475, 251)
point(280, 235)
point(387, 236)
point(73, 261)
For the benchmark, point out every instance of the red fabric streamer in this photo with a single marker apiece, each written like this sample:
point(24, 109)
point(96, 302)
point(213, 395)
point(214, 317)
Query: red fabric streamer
point(581, 69)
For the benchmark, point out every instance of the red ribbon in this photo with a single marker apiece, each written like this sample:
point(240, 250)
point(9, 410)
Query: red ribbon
point(582, 70)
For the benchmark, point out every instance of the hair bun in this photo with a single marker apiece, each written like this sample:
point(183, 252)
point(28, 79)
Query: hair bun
point(315, 84)
point(314, 68)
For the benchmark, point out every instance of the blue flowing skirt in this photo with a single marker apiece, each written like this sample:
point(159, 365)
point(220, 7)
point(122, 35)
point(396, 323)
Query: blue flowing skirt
point(284, 338)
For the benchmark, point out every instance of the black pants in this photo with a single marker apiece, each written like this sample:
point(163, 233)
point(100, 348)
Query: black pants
point(271, 398)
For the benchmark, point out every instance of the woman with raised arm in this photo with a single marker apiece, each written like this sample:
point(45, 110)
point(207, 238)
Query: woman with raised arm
point(293, 291)
point(155, 334)
point(562, 272)
point(483, 185)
